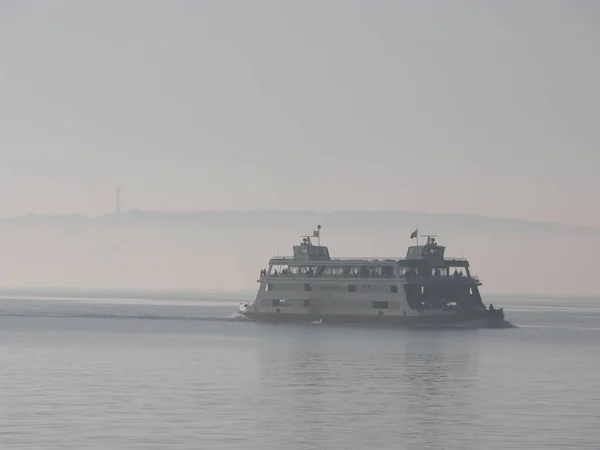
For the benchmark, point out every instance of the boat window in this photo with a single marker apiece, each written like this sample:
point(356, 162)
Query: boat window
point(380, 305)
point(279, 302)
point(456, 271)
point(394, 289)
point(269, 287)
point(308, 287)
point(306, 303)
point(335, 271)
point(412, 271)
point(352, 288)
point(378, 272)
point(308, 271)
point(283, 269)
point(340, 271)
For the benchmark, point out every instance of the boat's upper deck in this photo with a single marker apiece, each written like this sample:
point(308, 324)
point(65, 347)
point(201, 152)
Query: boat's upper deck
point(352, 261)
point(421, 262)
point(317, 255)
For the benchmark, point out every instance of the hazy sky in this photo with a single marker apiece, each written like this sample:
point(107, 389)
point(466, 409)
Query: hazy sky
point(487, 107)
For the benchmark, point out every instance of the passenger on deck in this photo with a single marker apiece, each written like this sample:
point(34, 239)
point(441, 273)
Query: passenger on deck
point(491, 307)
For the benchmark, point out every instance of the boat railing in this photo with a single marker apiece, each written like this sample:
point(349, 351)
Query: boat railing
point(444, 277)
point(385, 259)
point(371, 258)
point(406, 276)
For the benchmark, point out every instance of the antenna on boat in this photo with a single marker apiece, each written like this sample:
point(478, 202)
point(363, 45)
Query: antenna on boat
point(317, 234)
point(430, 238)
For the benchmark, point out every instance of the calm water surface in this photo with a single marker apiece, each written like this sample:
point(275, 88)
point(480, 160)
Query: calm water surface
point(102, 373)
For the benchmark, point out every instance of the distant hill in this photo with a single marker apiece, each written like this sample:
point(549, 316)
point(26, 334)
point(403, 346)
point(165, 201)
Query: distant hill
point(404, 221)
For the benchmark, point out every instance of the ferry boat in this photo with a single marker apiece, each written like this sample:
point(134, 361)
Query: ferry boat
point(423, 289)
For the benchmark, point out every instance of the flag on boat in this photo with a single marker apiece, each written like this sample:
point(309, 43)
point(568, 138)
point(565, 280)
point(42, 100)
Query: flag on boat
point(414, 234)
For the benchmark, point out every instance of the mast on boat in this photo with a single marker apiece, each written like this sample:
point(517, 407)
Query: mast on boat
point(316, 233)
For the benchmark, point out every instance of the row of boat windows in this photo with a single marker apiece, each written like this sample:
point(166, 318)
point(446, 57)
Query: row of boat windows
point(379, 304)
point(419, 251)
point(416, 293)
point(351, 287)
point(308, 304)
point(314, 250)
point(418, 298)
point(363, 272)
point(330, 271)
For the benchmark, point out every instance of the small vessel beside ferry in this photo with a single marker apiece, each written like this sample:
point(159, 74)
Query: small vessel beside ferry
point(423, 289)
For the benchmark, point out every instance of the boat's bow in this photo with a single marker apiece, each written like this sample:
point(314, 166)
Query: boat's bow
point(243, 309)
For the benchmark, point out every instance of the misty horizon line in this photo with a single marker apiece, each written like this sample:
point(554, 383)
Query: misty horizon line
point(139, 213)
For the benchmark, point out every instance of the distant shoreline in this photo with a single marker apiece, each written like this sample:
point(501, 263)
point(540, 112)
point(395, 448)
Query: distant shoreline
point(260, 217)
